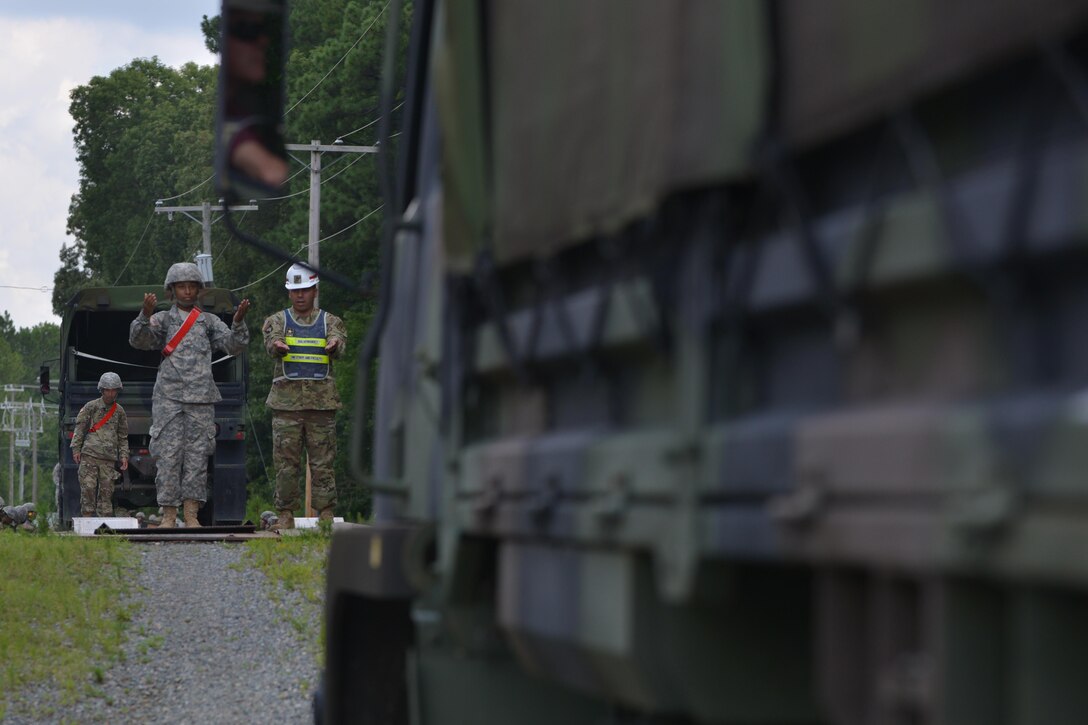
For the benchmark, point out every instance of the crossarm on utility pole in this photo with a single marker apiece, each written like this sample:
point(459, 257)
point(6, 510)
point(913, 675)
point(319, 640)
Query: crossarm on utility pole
point(205, 221)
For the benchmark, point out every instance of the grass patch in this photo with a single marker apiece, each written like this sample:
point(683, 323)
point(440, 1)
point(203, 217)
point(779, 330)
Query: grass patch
point(296, 564)
point(62, 598)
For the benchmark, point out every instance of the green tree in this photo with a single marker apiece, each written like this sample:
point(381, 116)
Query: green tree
point(69, 279)
point(141, 132)
point(210, 28)
point(36, 346)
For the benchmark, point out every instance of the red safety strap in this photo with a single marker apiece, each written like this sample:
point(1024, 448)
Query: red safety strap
point(105, 419)
point(180, 335)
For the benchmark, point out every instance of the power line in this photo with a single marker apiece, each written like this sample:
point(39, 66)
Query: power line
point(354, 223)
point(345, 55)
point(306, 191)
point(304, 97)
point(349, 226)
point(262, 279)
point(190, 191)
point(133, 255)
point(35, 289)
point(230, 237)
point(349, 133)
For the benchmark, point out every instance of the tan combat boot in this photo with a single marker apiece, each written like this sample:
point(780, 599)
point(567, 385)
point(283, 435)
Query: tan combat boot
point(325, 514)
point(169, 517)
point(191, 507)
point(286, 521)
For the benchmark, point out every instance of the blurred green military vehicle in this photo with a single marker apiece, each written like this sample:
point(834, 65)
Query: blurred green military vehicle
point(94, 340)
point(732, 369)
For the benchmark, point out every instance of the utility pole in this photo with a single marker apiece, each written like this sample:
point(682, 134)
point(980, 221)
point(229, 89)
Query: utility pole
point(205, 221)
point(316, 148)
point(313, 253)
point(9, 425)
point(22, 421)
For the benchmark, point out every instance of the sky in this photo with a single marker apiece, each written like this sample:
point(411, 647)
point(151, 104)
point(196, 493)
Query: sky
point(47, 48)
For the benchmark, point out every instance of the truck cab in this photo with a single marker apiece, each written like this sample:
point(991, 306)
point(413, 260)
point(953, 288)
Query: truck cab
point(94, 340)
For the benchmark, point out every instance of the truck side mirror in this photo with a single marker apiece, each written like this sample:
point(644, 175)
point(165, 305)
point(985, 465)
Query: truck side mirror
point(43, 379)
point(251, 160)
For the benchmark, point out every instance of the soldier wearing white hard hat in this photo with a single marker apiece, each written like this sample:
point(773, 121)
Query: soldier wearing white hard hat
point(303, 340)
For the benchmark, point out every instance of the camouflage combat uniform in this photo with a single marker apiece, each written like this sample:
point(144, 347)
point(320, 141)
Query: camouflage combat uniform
point(303, 417)
point(183, 403)
point(99, 451)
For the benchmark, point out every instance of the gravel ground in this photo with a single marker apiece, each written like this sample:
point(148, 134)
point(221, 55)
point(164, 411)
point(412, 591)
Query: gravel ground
point(207, 645)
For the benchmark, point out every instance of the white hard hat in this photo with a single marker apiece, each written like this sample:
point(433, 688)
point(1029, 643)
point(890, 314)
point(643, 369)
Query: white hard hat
point(300, 277)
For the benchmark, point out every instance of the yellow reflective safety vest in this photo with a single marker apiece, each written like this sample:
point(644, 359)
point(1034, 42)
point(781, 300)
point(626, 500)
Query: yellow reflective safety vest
point(306, 358)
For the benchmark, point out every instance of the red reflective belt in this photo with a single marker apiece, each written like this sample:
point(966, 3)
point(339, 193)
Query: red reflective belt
point(105, 419)
point(180, 335)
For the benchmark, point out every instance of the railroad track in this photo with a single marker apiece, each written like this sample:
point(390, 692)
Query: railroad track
point(240, 533)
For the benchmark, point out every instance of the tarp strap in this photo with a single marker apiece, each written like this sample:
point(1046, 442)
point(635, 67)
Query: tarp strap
point(135, 365)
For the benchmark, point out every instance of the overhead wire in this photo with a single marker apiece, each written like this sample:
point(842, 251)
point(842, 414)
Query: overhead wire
point(262, 279)
point(302, 163)
point(304, 97)
point(350, 133)
point(307, 189)
point(354, 223)
point(136, 249)
point(190, 191)
point(337, 63)
point(230, 238)
point(369, 214)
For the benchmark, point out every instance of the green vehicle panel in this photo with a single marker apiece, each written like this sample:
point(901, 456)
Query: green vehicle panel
point(733, 370)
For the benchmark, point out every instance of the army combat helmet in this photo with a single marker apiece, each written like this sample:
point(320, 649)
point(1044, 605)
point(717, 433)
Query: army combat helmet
point(182, 272)
point(110, 381)
point(300, 277)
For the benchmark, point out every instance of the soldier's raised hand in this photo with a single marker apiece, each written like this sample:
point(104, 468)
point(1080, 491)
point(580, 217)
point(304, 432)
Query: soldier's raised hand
point(243, 308)
point(150, 300)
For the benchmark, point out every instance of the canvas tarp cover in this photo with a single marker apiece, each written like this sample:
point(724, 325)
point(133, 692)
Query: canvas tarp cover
point(566, 119)
point(597, 111)
point(846, 61)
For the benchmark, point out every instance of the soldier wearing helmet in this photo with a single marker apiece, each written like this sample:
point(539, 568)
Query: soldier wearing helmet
point(19, 517)
point(302, 340)
point(99, 443)
point(183, 403)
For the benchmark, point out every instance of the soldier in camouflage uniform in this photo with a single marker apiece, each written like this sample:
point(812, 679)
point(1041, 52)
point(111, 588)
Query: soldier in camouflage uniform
point(99, 441)
point(19, 517)
point(303, 398)
point(183, 403)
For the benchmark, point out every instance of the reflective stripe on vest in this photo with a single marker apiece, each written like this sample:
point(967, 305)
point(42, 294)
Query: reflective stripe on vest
point(306, 358)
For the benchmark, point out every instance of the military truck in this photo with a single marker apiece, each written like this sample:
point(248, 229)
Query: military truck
point(94, 340)
point(732, 369)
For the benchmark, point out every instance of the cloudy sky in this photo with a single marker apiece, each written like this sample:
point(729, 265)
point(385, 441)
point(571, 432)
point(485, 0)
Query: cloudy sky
point(47, 48)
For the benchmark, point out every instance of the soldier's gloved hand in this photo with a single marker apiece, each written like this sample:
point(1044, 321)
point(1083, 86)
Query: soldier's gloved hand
point(243, 308)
